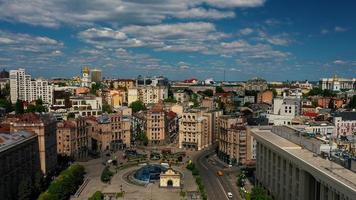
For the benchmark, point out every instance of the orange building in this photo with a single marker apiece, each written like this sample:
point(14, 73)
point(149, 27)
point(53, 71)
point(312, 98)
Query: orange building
point(265, 97)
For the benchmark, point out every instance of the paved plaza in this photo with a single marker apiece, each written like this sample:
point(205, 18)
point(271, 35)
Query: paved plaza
point(132, 191)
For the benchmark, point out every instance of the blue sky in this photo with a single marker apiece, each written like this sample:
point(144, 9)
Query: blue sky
point(273, 39)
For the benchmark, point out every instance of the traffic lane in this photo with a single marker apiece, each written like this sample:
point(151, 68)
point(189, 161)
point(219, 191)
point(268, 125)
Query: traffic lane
point(209, 179)
point(214, 180)
point(224, 181)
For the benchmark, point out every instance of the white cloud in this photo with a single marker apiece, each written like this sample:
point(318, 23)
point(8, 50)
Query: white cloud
point(324, 31)
point(84, 12)
point(340, 29)
point(246, 31)
point(103, 33)
point(191, 36)
point(282, 39)
point(202, 13)
point(235, 3)
point(339, 62)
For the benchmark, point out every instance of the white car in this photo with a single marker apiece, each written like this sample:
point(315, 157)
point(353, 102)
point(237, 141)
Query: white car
point(229, 194)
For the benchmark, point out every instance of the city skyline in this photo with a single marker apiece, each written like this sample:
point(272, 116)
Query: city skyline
point(273, 39)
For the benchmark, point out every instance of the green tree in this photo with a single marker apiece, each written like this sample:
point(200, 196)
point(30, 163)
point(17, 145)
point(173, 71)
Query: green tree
point(38, 107)
point(25, 189)
point(107, 108)
point(19, 107)
point(95, 87)
point(219, 89)
point(97, 196)
point(352, 103)
point(65, 184)
point(106, 175)
point(71, 115)
point(274, 91)
point(208, 93)
point(6, 104)
point(137, 106)
point(142, 137)
point(259, 193)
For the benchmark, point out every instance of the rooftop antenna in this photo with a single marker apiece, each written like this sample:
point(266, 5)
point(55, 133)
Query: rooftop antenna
point(224, 75)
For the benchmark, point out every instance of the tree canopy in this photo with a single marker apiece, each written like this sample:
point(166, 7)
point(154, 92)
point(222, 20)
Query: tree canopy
point(259, 193)
point(352, 103)
point(137, 106)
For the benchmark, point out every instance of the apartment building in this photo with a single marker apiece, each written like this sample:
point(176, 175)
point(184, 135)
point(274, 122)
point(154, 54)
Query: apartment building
point(81, 105)
point(156, 124)
point(181, 96)
point(256, 84)
point(44, 126)
point(19, 161)
point(123, 84)
point(196, 127)
point(110, 132)
point(73, 138)
point(345, 123)
point(147, 94)
point(235, 144)
point(290, 171)
point(22, 87)
point(284, 110)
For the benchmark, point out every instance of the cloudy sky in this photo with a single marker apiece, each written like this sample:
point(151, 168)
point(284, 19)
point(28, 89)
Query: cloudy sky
point(273, 39)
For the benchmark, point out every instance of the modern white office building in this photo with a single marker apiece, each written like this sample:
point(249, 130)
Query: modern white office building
point(22, 87)
point(290, 171)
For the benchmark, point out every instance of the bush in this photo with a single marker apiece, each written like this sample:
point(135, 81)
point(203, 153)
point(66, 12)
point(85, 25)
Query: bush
point(106, 175)
point(119, 194)
point(65, 184)
point(97, 196)
point(259, 193)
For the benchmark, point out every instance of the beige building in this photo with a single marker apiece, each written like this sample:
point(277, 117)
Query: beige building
point(234, 141)
point(289, 171)
point(110, 132)
point(123, 83)
point(196, 129)
point(147, 94)
point(181, 96)
point(72, 138)
point(19, 160)
point(156, 124)
point(44, 125)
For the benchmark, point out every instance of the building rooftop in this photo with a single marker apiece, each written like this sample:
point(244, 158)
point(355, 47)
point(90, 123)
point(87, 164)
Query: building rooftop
point(10, 139)
point(347, 116)
point(323, 167)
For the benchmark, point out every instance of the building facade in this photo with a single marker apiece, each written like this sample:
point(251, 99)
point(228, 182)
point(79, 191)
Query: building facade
point(337, 84)
point(22, 87)
point(196, 128)
point(288, 171)
point(19, 161)
point(234, 141)
point(147, 94)
point(44, 126)
point(73, 138)
point(345, 124)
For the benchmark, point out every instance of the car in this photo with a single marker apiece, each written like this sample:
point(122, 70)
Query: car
point(229, 194)
point(220, 173)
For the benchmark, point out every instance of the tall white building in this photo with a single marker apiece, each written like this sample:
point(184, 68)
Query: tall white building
point(25, 89)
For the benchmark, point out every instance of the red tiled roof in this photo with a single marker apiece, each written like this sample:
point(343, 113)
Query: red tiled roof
point(171, 115)
point(310, 114)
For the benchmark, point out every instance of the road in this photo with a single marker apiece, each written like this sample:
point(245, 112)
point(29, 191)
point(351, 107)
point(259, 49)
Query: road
point(216, 187)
